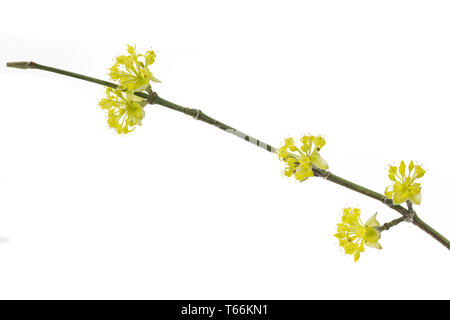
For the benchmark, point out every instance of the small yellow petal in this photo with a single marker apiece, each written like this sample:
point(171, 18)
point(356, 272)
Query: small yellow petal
point(319, 162)
point(375, 245)
point(388, 193)
point(411, 166)
point(400, 196)
point(420, 172)
point(401, 168)
point(416, 198)
point(392, 170)
point(373, 222)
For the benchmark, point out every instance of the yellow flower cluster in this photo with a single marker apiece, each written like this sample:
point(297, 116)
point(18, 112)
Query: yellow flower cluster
point(404, 187)
point(353, 234)
point(125, 110)
point(132, 73)
point(301, 161)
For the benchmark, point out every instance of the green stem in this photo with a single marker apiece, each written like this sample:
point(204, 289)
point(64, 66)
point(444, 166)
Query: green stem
point(153, 98)
point(389, 225)
point(436, 235)
point(34, 65)
point(327, 175)
point(199, 115)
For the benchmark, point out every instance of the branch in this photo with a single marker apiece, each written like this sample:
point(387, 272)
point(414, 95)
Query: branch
point(389, 225)
point(153, 98)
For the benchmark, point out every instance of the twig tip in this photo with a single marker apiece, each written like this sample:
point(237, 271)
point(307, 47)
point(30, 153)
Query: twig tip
point(19, 64)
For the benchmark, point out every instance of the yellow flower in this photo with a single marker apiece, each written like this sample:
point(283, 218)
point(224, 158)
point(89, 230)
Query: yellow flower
point(403, 187)
point(132, 73)
point(353, 235)
point(301, 161)
point(125, 110)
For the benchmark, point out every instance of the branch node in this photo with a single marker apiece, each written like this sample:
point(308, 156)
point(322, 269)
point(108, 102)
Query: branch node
point(388, 202)
point(153, 97)
point(197, 113)
point(321, 173)
point(410, 216)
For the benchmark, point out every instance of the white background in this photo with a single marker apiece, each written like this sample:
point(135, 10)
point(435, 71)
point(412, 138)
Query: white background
point(180, 209)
